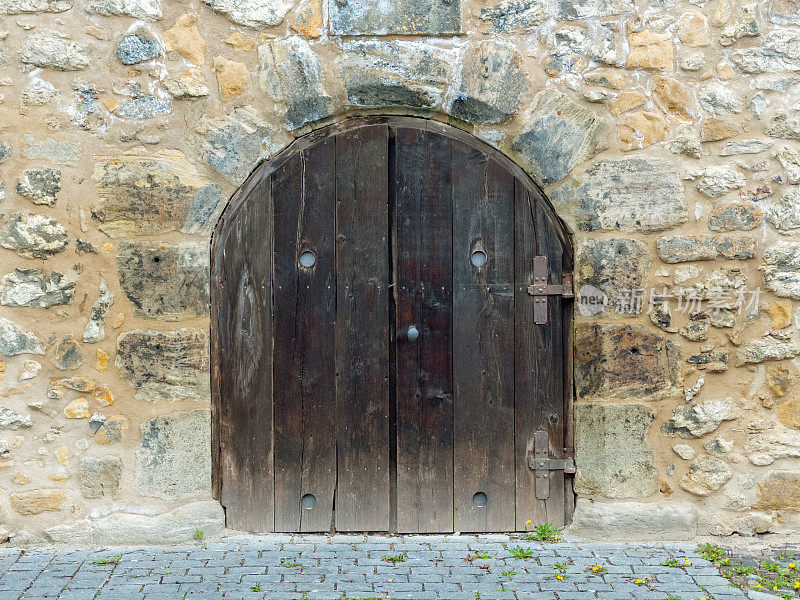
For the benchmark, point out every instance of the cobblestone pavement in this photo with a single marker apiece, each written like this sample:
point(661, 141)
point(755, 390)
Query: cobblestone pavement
point(279, 567)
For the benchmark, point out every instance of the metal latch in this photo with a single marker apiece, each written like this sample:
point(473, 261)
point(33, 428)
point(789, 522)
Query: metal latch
point(542, 464)
point(540, 289)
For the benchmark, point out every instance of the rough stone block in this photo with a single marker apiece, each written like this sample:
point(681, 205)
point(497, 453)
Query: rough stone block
point(171, 364)
point(683, 248)
point(612, 453)
point(396, 17)
point(174, 527)
point(252, 13)
point(624, 361)
point(146, 194)
point(628, 195)
point(174, 458)
point(490, 85)
point(736, 216)
point(34, 236)
point(14, 341)
point(699, 419)
point(558, 133)
point(511, 16)
point(16, 7)
point(56, 50)
point(395, 73)
point(779, 490)
point(290, 72)
point(138, 9)
point(40, 186)
point(32, 288)
point(100, 476)
point(617, 267)
point(647, 521)
point(782, 269)
point(165, 281)
point(35, 502)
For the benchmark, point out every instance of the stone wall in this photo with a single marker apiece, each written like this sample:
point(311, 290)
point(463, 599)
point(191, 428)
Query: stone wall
point(665, 132)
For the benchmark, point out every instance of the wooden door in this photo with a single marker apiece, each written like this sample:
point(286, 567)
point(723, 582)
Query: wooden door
point(377, 364)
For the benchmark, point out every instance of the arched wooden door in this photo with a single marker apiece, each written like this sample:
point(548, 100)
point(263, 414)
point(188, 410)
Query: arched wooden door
point(389, 352)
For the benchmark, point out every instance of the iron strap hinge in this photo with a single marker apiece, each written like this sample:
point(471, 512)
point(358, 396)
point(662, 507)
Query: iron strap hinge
point(540, 289)
point(542, 464)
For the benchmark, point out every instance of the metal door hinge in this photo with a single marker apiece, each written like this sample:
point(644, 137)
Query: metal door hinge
point(540, 289)
point(542, 464)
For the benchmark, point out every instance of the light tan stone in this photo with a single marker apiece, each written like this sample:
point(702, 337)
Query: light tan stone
point(62, 455)
point(693, 29)
point(725, 71)
point(232, 77)
point(77, 409)
point(103, 396)
point(188, 85)
point(185, 39)
point(613, 78)
point(789, 413)
point(240, 41)
point(780, 490)
point(625, 101)
point(21, 478)
point(672, 97)
point(102, 360)
point(713, 130)
point(781, 314)
point(308, 19)
point(650, 50)
point(37, 501)
point(779, 380)
point(641, 129)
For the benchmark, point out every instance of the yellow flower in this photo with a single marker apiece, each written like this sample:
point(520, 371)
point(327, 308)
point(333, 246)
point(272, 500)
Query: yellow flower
point(758, 587)
point(560, 577)
point(528, 522)
point(639, 581)
point(556, 537)
point(797, 585)
point(792, 566)
point(686, 560)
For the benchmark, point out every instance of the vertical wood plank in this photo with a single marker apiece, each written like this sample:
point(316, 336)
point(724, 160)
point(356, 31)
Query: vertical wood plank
point(483, 343)
point(539, 363)
point(362, 329)
point(423, 296)
point(243, 365)
point(304, 317)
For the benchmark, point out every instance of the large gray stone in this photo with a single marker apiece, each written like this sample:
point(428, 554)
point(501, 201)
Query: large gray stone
point(165, 281)
point(779, 51)
point(396, 17)
point(618, 267)
point(204, 210)
point(56, 50)
point(614, 361)
point(395, 73)
point(100, 476)
point(662, 520)
point(68, 353)
point(233, 144)
point(16, 7)
point(137, 47)
point(765, 446)
point(31, 287)
point(632, 194)
point(14, 341)
point(579, 10)
point(143, 107)
point(490, 85)
point(165, 365)
point(138, 9)
point(684, 248)
point(252, 13)
point(719, 99)
point(511, 16)
point(557, 134)
point(699, 419)
point(144, 194)
point(174, 457)
point(613, 456)
point(290, 72)
point(11, 419)
point(40, 186)
point(34, 236)
point(718, 180)
point(782, 269)
point(136, 528)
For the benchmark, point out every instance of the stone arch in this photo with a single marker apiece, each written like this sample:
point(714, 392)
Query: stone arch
point(242, 317)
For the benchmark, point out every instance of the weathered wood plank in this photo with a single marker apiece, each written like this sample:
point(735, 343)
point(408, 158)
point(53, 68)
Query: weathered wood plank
point(483, 343)
point(304, 315)
point(243, 364)
point(362, 330)
point(423, 296)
